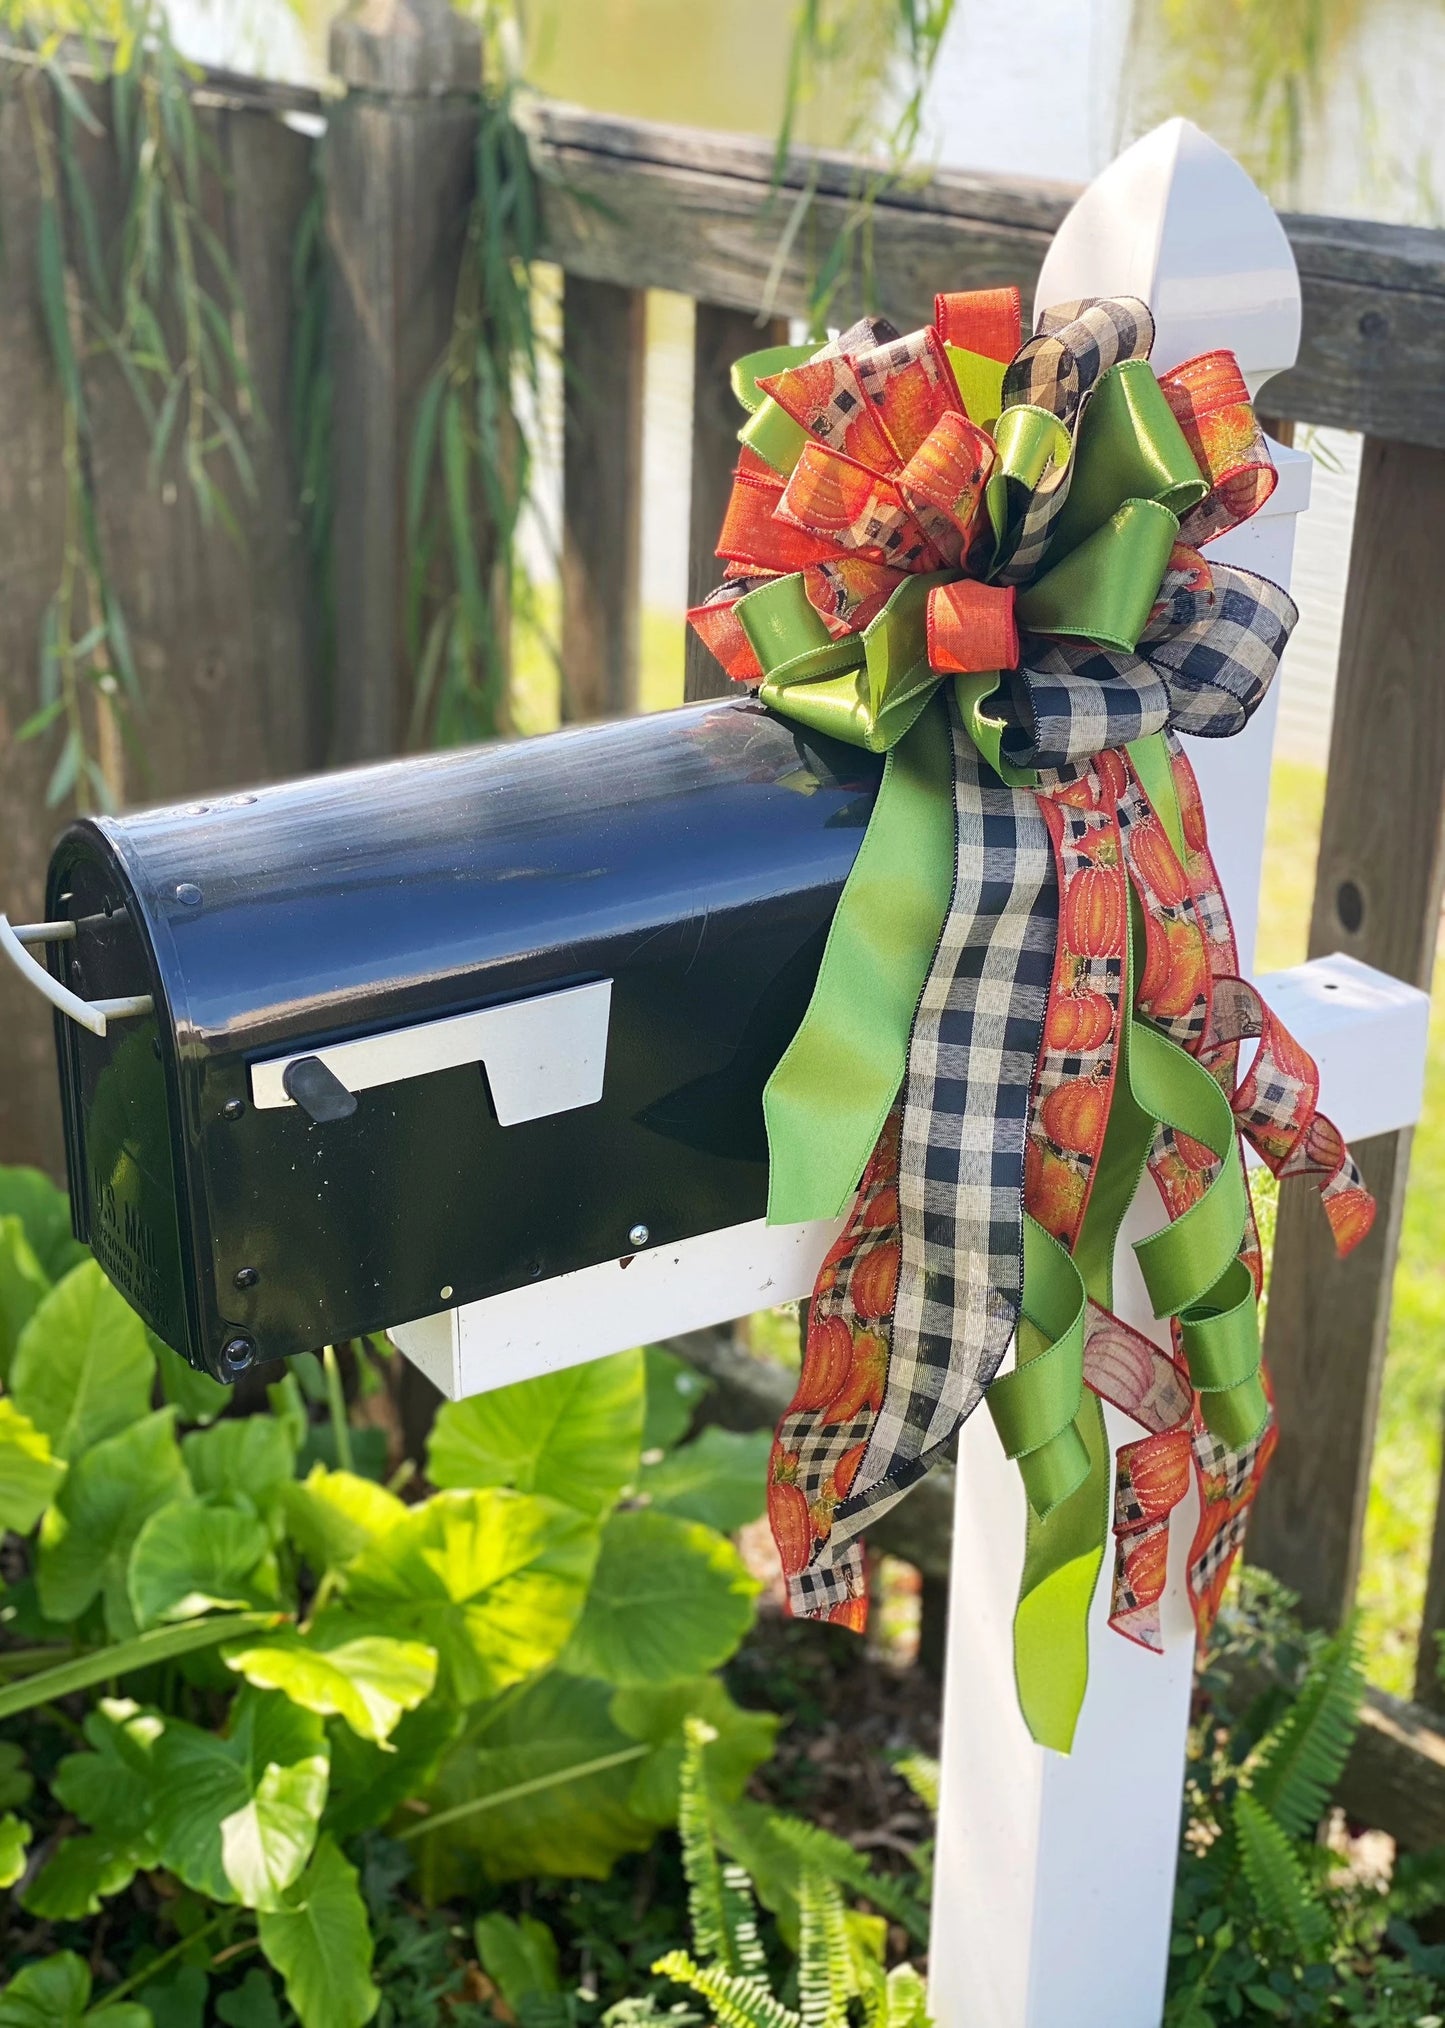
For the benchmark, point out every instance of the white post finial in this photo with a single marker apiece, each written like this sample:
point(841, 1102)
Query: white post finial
point(1177, 221)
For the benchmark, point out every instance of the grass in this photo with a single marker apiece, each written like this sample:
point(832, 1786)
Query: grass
point(1406, 1471)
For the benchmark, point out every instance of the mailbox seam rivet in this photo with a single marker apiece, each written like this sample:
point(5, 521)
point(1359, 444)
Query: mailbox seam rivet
point(236, 1355)
point(447, 1292)
point(246, 1277)
point(638, 1237)
point(233, 1109)
point(189, 894)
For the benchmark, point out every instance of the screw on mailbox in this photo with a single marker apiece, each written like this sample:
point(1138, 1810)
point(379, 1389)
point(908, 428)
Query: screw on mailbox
point(638, 1237)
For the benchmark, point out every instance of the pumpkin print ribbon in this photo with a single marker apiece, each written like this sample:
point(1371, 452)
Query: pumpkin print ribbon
point(982, 558)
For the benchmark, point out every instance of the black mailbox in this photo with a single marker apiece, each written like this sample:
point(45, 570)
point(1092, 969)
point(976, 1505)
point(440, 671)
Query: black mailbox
point(394, 1039)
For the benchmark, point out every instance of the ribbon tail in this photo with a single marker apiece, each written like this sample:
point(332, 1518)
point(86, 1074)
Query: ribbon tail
point(826, 1102)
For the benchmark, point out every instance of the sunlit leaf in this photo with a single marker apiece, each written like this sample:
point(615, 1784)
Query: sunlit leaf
point(236, 1818)
point(14, 1844)
point(82, 1368)
point(574, 1436)
point(110, 1493)
point(319, 1940)
point(670, 1599)
point(29, 1474)
point(341, 1669)
point(332, 1516)
point(492, 1580)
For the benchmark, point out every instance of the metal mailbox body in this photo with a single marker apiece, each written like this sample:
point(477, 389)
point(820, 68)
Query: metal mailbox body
point(692, 859)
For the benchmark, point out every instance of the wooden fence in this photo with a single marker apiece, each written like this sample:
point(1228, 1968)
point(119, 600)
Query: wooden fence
point(227, 634)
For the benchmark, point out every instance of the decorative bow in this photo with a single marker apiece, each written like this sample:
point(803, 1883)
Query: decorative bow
point(982, 559)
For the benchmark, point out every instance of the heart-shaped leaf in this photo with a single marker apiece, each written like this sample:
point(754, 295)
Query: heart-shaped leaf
point(87, 1536)
point(191, 1557)
point(669, 1600)
point(720, 1478)
point(193, 1394)
point(574, 1436)
point(492, 1580)
point(340, 1668)
point(29, 1473)
point(82, 1368)
point(320, 1942)
point(55, 1993)
point(236, 1818)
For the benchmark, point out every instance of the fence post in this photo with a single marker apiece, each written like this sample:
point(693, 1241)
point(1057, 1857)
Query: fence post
point(1377, 896)
point(719, 337)
point(604, 346)
point(400, 167)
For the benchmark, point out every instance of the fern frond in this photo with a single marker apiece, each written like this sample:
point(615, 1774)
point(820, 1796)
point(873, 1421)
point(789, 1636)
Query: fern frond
point(920, 1771)
point(826, 1854)
point(720, 1902)
point(825, 1957)
point(1283, 1895)
point(907, 2000)
point(735, 2002)
point(1294, 1770)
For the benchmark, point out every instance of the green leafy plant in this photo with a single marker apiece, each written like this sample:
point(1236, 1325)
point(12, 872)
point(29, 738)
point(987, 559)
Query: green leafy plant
point(1270, 1924)
point(233, 1665)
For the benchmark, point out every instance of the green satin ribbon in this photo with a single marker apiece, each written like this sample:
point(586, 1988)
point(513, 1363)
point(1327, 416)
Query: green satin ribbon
point(826, 1102)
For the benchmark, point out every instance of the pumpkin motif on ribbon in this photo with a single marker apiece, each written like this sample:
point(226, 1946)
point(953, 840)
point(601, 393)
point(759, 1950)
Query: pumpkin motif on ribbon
point(1054, 1193)
point(874, 1285)
point(825, 1362)
point(1096, 913)
point(1156, 863)
point(864, 1385)
point(1074, 1113)
point(788, 1511)
point(1079, 1022)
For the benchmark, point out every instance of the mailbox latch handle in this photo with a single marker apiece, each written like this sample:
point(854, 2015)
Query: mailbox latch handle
point(318, 1091)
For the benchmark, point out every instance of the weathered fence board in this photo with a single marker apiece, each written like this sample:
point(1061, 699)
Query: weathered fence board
point(674, 209)
point(1377, 896)
point(399, 180)
point(604, 347)
point(719, 337)
point(222, 633)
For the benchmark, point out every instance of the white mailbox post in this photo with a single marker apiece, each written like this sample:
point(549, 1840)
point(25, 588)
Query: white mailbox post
point(1054, 1875)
